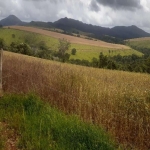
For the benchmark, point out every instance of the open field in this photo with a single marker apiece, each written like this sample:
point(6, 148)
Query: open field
point(72, 39)
point(115, 100)
point(86, 52)
point(141, 42)
point(140, 39)
point(27, 37)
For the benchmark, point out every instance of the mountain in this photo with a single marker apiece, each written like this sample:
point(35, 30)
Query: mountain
point(41, 24)
point(119, 31)
point(128, 32)
point(70, 25)
point(11, 20)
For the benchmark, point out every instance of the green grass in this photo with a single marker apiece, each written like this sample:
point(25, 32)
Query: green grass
point(27, 37)
point(86, 52)
point(40, 127)
point(141, 44)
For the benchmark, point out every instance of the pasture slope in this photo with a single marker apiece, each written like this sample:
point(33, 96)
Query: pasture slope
point(140, 42)
point(140, 39)
point(84, 51)
point(72, 39)
point(115, 100)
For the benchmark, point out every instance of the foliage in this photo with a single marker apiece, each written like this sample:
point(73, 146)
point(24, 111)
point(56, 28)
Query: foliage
point(111, 39)
point(20, 48)
point(41, 127)
point(63, 46)
point(73, 51)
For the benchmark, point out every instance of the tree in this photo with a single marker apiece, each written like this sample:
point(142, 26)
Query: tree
point(95, 62)
point(62, 48)
point(21, 48)
point(73, 51)
point(42, 45)
point(103, 61)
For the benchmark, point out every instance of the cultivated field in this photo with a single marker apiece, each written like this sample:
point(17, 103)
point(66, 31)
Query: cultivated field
point(72, 39)
point(116, 100)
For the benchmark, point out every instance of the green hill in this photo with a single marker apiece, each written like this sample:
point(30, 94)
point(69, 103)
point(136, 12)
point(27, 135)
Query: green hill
point(86, 52)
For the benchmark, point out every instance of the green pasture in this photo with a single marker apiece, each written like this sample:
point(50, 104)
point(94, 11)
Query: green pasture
point(86, 52)
point(141, 44)
point(12, 35)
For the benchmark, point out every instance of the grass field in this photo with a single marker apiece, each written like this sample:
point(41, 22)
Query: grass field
point(88, 52)
point(29, 124)
point(84, 51)
point(140, 39)
point(115, 100)
point(72, 39)
point(140, 42)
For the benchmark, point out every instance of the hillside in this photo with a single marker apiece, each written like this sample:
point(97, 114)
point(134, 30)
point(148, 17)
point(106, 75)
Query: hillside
point(71, 25)
point(115, 100)
point(86, 51)
point(72, 39)
point(140, 44)
point(119, 31)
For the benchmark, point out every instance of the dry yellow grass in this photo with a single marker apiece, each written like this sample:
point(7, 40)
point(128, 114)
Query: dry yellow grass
point(118, 101)
point(72, 39)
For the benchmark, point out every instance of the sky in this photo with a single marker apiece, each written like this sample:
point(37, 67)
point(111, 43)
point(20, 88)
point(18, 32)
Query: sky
point(105, 13)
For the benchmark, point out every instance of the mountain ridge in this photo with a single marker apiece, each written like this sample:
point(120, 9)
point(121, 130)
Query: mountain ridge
point(71, 25)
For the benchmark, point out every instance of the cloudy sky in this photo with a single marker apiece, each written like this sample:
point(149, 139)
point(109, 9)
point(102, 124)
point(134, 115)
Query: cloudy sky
point(107, 13)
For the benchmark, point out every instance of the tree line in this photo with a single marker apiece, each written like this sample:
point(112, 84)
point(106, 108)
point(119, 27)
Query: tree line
point(132, 63)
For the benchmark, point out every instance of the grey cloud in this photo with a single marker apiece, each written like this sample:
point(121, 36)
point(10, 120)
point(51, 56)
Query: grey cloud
point(94, 6)
point(121, 4)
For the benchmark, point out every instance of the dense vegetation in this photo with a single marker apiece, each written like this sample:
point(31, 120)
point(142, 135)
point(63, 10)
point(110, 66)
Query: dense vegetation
point(115, 100)
point(35, 125)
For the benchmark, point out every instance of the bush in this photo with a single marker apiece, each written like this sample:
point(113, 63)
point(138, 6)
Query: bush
point(73, 51)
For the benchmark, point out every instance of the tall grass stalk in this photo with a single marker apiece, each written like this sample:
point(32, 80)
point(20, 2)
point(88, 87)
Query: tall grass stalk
point(117, 100)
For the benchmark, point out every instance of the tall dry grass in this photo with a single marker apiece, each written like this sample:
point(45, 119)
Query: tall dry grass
point(118, 101)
